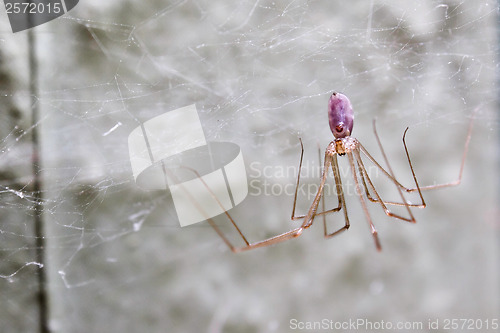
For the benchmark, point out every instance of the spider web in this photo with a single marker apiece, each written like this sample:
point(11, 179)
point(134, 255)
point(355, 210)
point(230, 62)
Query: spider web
point(260, 73)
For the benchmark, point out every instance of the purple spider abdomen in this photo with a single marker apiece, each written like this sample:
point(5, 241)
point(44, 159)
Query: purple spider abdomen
point(340, 115)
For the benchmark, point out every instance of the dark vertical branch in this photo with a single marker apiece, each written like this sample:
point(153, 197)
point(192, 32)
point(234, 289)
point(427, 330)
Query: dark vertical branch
point(37, 186)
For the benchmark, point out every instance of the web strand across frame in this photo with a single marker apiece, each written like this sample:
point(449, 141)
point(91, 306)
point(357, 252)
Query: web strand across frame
point(259, 73)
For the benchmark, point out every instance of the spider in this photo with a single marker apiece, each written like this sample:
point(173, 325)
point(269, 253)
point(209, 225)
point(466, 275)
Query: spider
point(341, 119)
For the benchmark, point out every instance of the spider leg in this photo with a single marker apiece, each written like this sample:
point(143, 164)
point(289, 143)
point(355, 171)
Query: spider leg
point(422, 204)
point(367, 192)
point(462, 163)
point(308, 219)
point(391, 177)
point(269, 241)
point(364, 175)
point(323, 212)
point(363, 203)
point(372, 199)
point(298, 180)
point(330, 161)
point(312, 213)
point(340, 196)
point(200, 208)
point(323, 197)
point(420, 188)
point(248, 246)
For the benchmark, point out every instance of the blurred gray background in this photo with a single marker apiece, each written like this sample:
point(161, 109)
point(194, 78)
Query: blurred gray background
point(260, 73)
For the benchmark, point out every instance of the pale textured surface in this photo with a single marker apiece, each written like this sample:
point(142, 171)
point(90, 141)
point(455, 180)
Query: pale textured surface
point(261, 72)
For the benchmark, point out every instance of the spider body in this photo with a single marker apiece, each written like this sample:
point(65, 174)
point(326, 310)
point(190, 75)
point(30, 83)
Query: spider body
point(341, 146)
point(340, 115)
point(341, 119)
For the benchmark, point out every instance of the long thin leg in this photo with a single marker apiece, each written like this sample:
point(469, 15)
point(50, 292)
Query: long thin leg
point(372, 159)
point(464, 155)
point(340, 196)
point(417, 188)
point(308, 219)
point(201, 210)
point(273, 240)
point(420, 188)
point(270, 241)
point(372, 199)
point(382, 203)
point(399, 186)
point(323, 197)
point(394, 180)
point(363, 203)
point(422, 202)
point(312, 213)
point(298, 180)
point(323, 212)
point(364, 175)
